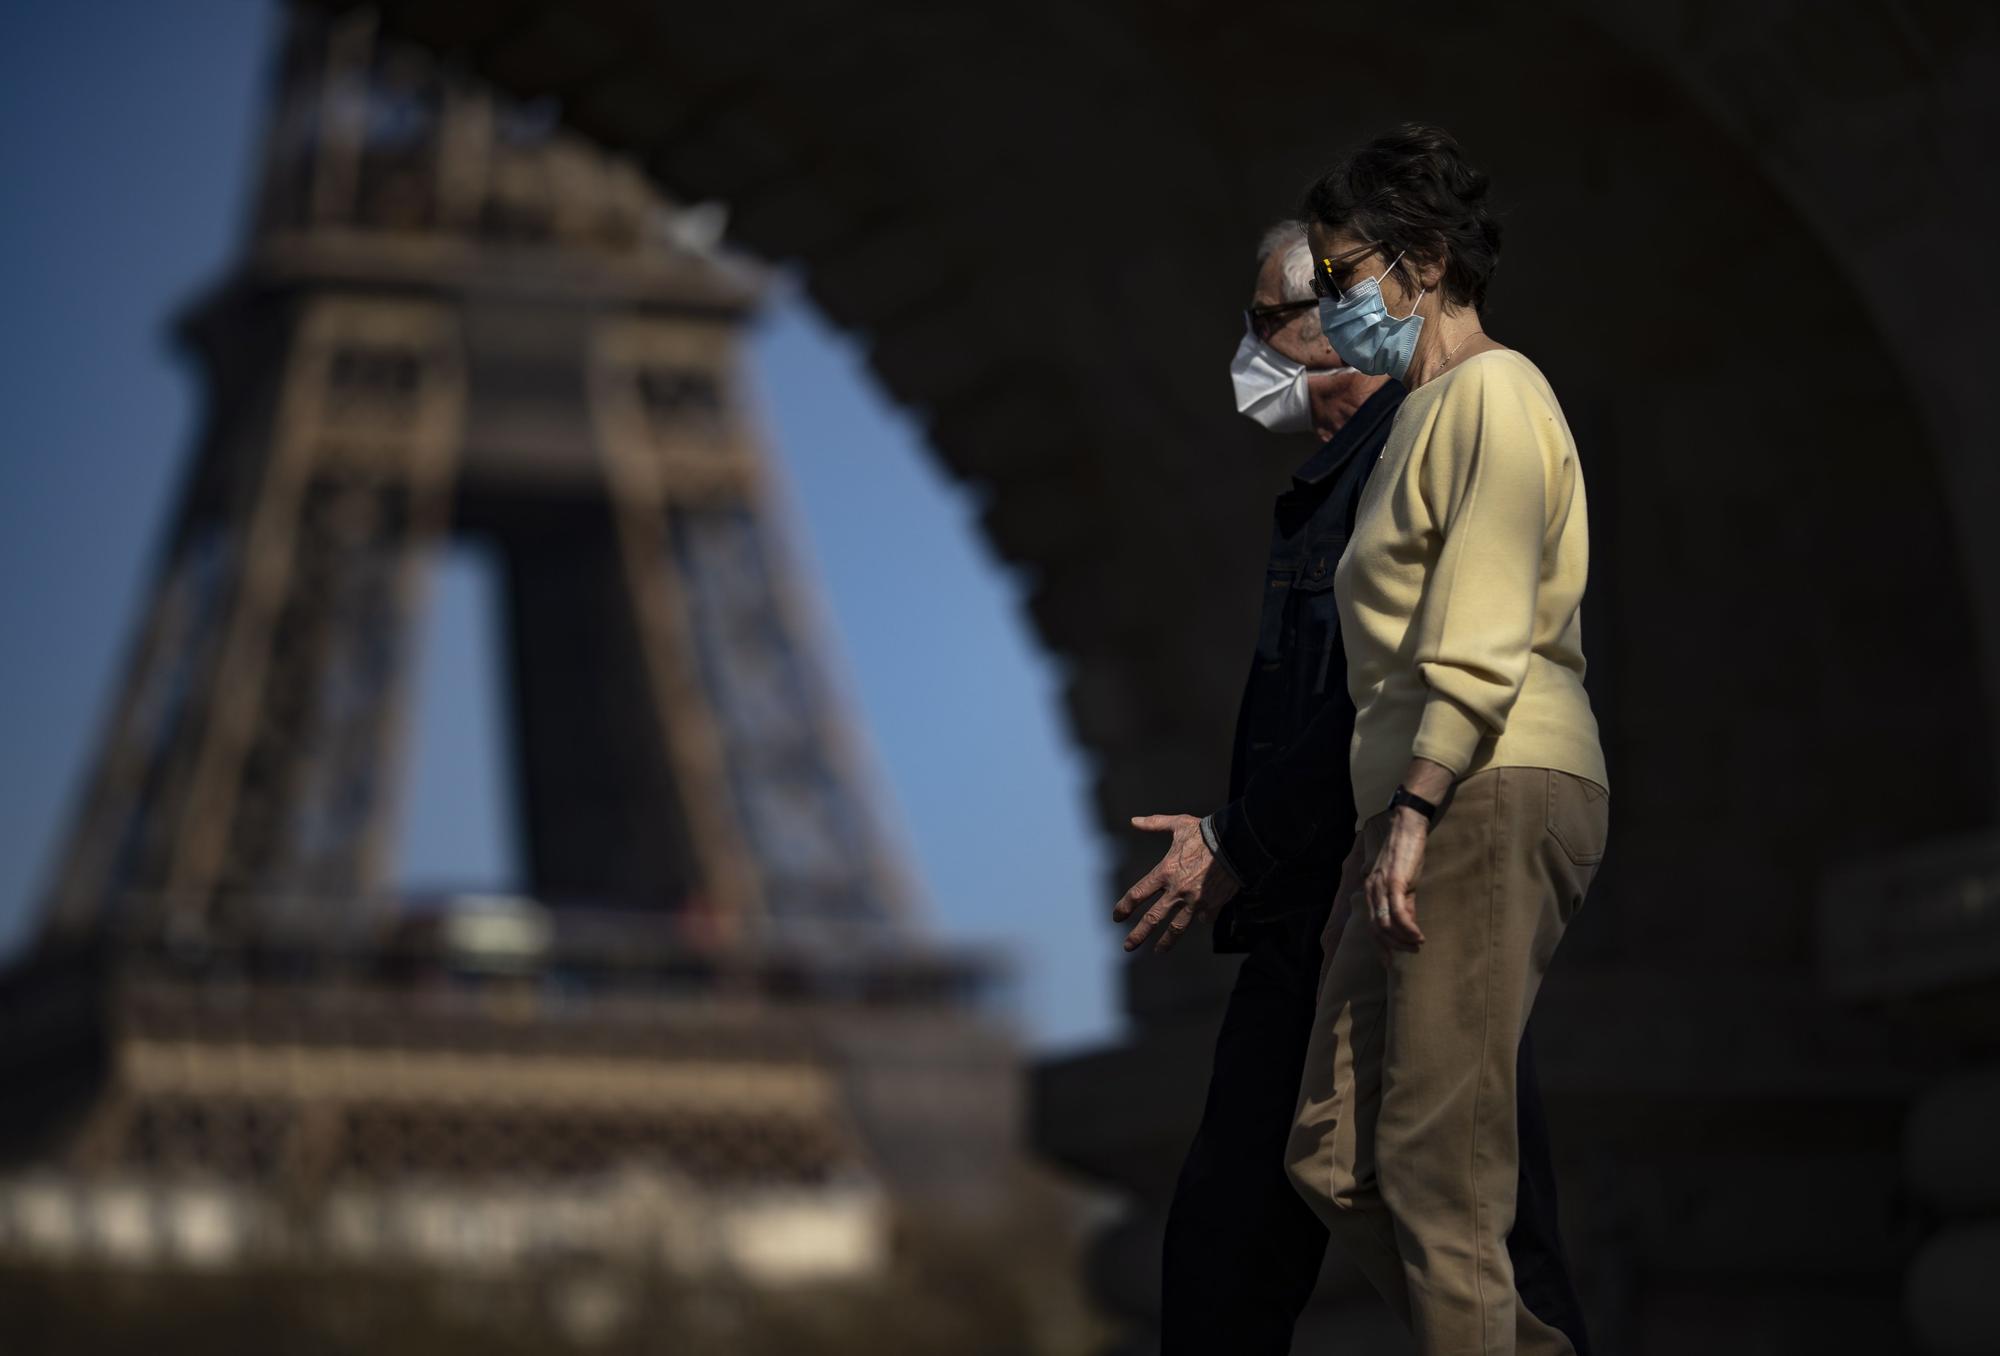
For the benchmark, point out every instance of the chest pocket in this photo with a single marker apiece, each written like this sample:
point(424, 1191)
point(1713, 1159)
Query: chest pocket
point(1316, 620)
point(1275, 612)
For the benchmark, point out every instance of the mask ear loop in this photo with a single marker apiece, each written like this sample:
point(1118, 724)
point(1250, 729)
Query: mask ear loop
point(1420, 291)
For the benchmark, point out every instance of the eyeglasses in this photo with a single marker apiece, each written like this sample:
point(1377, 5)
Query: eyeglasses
point(1327, 273)
point(1264, 321)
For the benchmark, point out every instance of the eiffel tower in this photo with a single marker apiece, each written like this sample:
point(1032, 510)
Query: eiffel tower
point(453, 321)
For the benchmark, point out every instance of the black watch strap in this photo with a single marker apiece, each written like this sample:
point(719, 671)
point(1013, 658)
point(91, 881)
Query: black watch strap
point(1405, 796)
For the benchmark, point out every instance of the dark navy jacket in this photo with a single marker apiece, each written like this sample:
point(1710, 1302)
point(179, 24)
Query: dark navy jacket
point(1290, 818)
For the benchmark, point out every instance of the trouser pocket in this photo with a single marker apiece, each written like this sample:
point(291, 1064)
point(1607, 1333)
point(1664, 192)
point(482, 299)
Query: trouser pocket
point(1579, 817)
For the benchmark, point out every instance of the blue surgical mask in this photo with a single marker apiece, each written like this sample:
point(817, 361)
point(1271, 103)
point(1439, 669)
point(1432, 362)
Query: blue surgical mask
point(1363, 332)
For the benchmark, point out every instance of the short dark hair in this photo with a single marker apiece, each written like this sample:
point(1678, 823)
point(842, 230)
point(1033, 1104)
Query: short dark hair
point(1412, 192)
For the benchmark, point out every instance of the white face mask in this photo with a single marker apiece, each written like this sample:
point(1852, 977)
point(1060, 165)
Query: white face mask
point(1270, 387)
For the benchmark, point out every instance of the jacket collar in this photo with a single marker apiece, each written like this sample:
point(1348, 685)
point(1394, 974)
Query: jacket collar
point(1358, 432)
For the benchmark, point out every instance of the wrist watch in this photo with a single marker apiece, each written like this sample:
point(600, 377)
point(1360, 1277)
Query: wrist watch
point(1405, 796)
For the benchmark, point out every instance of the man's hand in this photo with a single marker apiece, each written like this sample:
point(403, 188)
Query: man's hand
point(1335, 396)
point(1191, 884)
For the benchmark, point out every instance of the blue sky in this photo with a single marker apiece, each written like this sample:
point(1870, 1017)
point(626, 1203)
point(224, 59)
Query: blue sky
point(124, 171)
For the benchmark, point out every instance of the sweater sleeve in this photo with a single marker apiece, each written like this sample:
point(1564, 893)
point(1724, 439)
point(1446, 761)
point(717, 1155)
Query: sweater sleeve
point(1488, 467)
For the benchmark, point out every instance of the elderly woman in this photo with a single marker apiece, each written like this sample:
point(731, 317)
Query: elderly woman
point(1483, 797)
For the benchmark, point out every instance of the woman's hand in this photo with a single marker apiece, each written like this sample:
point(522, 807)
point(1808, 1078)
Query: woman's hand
point(1391, 883)
point(1390, 887)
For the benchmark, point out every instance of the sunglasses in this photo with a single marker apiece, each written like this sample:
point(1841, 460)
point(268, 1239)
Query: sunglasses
point(1264, 321)
point(1327, 273)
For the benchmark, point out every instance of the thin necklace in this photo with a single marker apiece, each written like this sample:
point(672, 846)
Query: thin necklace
point(1456, 347)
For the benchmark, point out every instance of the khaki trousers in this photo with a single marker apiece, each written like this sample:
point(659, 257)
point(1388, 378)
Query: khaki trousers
point(1405, 1137)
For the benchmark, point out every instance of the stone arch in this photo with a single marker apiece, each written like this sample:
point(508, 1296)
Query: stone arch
point(1039, 220)
point(1039, 217)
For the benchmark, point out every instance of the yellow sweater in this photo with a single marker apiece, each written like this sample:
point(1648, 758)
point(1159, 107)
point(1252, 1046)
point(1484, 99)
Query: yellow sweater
point(1458, 591)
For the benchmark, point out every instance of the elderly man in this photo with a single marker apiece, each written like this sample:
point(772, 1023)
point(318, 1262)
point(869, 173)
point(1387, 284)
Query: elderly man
point(1242, 1249)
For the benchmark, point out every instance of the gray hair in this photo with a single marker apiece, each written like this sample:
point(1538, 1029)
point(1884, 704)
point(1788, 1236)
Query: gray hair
point(1296, 272)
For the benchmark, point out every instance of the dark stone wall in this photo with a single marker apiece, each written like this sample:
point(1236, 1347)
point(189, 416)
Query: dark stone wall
point(1744, 242)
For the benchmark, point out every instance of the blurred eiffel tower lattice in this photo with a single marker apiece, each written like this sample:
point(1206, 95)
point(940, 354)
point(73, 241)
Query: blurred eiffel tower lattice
point(708, 1029)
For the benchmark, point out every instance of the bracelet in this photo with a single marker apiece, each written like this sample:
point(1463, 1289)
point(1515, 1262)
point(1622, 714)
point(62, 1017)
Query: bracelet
point(1405, 796)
